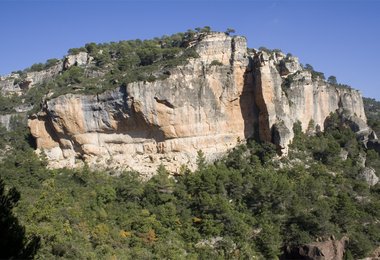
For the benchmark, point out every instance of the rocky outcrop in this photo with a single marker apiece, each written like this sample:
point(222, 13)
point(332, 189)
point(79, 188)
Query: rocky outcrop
point(225, 95)
point(286, 94)
point(80, 59)
point(8, 85)
point(37, 77)
point(10, 121)
point(18, 84)
point(368, 174)
point(327, 250)
point(5, 121)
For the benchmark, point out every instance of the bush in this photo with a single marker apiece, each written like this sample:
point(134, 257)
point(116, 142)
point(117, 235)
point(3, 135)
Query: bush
point(216, 63)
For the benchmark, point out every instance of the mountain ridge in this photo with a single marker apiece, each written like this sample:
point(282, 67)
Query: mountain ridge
point(207, 91)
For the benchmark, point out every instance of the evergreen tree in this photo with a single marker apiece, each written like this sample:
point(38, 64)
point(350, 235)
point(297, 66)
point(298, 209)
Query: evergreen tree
point(13, 243)
point(332, 80)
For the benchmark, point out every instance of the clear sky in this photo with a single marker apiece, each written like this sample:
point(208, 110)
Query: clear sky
point(337, 37)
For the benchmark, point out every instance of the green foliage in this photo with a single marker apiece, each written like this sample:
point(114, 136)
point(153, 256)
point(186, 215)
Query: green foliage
point(113, 65)
point(314, 74)
point(286, 83)
point(332, 80)
point(201, 160)
point(8, 104)
point(229, 31)
point(242, 206)
point(372, 108)
point(74, 51)
point(308, 67)
point(41, 66)
point(269, 51)
point(125, 62)
point(13, 242)
point(216, 63)
point(262, 48)
point(206, 29)
point(37, 67)
point(373, 160)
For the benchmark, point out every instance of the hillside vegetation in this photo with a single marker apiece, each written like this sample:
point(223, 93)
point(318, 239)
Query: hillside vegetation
point(115, 64)
point(112, 65)
point(372, 108)
point(248, 204)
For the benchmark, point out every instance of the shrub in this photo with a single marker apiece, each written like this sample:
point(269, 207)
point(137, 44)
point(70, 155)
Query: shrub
point(216, 63)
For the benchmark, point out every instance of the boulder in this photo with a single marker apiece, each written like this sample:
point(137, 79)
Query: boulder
point(368, 175)
point(327, 250)
point(80, 59)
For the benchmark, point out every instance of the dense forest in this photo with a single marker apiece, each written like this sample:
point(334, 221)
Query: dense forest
point(249, 204)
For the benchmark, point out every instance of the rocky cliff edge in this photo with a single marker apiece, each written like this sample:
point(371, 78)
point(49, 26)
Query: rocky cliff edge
point(226, 95)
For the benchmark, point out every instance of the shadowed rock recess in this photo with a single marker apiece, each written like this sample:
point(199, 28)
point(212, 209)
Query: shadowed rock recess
point(226, 95)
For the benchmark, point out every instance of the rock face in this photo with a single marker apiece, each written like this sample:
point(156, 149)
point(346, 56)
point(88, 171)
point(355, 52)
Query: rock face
point(286, 96)
point(368, 174)
point(80, 59)
point(36, 77)
point(148, 123)
point(5, 121)
point(18, 83)
point(8, 86)
point(200, 106)
point(327, 250)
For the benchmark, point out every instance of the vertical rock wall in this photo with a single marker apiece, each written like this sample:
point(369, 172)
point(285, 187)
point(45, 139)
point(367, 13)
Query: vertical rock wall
point(285, 93)
point(209, 104)
point(201, 106)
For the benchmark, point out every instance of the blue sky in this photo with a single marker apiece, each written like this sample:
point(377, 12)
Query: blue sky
point(337, 37)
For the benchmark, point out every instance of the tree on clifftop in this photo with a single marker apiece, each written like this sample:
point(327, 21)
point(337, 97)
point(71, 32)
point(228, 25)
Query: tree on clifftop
point(332, 80)
point(229, 31)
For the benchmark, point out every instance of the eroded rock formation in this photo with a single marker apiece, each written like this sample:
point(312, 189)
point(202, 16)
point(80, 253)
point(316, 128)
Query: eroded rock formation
point(144, 124)
point(285, 94)
point(226, 95)
point(326, 250)
point(17, 84)
point(368, 174)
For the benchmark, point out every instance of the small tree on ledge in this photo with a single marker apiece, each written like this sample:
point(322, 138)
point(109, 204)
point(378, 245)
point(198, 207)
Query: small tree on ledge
point(201, 160)
point(229, 31)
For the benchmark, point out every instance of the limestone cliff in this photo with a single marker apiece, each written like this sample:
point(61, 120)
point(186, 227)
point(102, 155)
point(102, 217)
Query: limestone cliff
point(286, 93)
point(144, 124)
point(213, 102)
